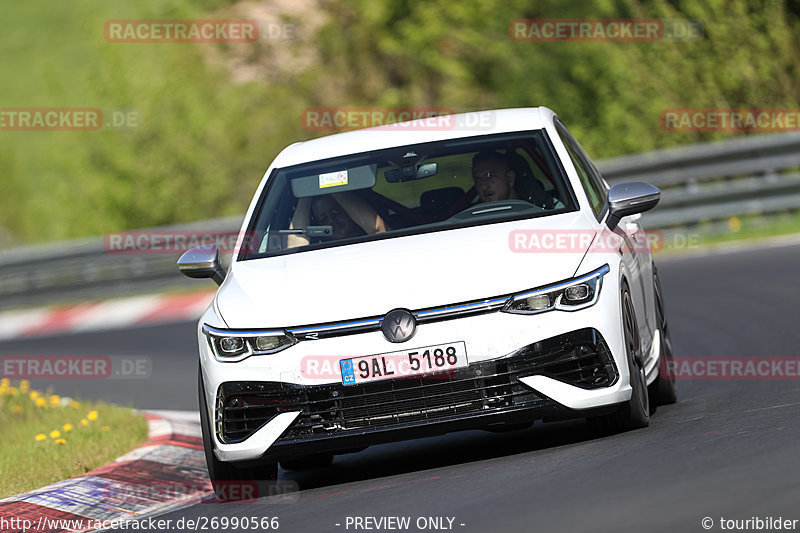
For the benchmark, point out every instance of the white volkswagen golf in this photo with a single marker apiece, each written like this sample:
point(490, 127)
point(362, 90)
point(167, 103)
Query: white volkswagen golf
point(470, 271)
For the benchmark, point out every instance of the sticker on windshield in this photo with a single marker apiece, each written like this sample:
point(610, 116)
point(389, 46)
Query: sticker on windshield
point(333, 179)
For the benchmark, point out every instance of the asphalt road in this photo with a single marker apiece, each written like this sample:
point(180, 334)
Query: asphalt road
point(727, 450)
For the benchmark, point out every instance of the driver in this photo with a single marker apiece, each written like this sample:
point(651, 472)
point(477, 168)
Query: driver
point(493, 177)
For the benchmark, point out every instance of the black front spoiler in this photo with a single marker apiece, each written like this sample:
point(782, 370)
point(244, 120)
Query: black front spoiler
point(352, 441)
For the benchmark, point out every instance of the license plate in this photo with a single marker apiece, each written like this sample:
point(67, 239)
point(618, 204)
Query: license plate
point(405, 363)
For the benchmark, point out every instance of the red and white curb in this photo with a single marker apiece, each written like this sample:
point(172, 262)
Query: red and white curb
point(168, 471)
point(100, 315)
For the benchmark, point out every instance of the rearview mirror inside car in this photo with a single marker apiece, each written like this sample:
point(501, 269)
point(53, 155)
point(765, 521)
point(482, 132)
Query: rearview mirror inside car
point(413, 172)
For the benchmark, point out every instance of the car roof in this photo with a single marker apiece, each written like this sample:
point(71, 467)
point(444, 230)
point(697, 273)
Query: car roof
point(412, 132)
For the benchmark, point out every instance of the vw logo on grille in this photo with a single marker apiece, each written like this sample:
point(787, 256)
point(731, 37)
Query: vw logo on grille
point(398, 325)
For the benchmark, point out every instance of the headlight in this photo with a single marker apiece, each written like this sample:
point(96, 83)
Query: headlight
point(569, 295)
point(233, 346)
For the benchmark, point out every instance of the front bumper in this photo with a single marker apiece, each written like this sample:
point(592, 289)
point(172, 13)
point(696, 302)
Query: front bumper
point(273, 421)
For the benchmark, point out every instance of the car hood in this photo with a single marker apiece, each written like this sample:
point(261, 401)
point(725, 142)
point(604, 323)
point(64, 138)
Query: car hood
point(412, 272)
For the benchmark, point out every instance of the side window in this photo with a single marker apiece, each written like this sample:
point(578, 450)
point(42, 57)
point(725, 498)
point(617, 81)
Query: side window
point(590, 180)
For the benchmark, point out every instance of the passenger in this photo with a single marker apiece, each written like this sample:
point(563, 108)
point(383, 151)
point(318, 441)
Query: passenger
point(347, 214)
point(494, 179)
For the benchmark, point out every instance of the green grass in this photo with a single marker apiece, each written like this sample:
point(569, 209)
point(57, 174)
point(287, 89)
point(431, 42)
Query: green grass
point(199, 150)
point(27, 463)
point(737, 229)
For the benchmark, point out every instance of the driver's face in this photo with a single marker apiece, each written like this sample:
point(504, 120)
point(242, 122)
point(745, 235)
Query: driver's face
point(493, 180)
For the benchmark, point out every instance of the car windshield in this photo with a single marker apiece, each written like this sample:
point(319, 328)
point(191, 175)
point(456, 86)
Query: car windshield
point(407, 190)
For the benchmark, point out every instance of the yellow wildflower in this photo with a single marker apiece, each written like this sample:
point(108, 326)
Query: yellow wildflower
point(84, 422)
point(61, 441)
point(34, 394)
point(54, 399)
point(4, 382)
point(17, 409)
point(55, 434)
point(74, 404)
point(41, 402)
point(12, 391)
point(40, 436)
point(24, 386)
point(67, 428)
point(92, 415)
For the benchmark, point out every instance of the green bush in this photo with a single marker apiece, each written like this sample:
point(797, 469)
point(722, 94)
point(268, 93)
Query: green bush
point(205, 140)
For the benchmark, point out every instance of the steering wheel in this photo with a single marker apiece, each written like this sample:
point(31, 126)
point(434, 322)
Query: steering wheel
point(500, 207)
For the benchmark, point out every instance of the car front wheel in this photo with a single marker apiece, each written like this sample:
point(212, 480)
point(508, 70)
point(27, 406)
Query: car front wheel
point(635, 413)
point(663, 391)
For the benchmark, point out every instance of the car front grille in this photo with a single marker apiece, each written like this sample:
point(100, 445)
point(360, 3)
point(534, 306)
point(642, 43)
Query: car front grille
point(580, 358)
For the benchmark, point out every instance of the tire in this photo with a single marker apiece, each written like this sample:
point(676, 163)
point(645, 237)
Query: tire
point(663, 390)
point(635, 413)
point(307, 463)
point(222, 473)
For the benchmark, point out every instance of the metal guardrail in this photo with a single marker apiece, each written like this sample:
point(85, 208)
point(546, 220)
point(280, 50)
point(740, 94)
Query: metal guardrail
point(708, 181)
point(84, 268)
point(713, 181)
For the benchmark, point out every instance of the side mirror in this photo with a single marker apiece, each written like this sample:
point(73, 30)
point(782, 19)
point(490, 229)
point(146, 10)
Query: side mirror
point(630, 198)
point(202, 262)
